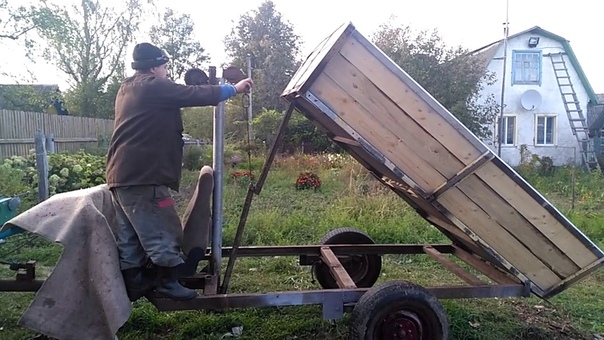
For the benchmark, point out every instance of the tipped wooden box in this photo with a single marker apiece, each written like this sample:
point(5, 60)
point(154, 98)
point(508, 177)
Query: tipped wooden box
point(367, 104)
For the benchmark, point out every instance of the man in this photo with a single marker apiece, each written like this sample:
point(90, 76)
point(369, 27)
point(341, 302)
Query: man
point(144, 162)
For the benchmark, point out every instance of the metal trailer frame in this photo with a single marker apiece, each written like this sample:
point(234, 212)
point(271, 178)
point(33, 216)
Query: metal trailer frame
point(334, 302)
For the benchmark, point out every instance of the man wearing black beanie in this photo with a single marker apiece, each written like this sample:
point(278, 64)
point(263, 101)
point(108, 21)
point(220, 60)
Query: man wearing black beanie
point(144, 162)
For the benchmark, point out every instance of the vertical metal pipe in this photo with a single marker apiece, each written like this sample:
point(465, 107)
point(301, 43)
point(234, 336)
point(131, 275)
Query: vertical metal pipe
point(218, 165)
point(249, 108)
point(50, 143)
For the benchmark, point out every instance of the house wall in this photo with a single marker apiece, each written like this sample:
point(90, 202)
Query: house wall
point(565, 144)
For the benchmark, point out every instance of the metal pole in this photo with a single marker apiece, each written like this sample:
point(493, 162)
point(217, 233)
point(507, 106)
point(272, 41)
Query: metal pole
point(505, 60)
point(50, 143)
point(573, 180)
point(218, 164)
point(42, 166)
point(249, 108)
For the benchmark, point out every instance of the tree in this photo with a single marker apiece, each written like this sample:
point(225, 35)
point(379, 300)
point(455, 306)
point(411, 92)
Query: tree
point(274, 47)
point(450, 74)
point(17, 21)
point(30, 98)
point(300, 131)
point(87, 42)
point(175, 36)
point(198, 122)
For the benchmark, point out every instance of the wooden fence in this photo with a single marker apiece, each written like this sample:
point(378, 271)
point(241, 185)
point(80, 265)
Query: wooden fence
point(18, 130)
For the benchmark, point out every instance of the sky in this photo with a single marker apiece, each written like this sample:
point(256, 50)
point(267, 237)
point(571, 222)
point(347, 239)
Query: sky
point(469, 23)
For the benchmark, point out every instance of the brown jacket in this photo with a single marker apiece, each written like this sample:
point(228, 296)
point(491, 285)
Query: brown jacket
point(147, 147)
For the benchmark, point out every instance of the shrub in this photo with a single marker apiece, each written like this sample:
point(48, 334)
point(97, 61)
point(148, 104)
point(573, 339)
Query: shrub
point(66, 172)
point(11, 181)
point(308, 180)
point(192, 158)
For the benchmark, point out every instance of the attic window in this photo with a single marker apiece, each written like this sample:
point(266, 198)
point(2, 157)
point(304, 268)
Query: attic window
point(533, 41)
point(526, 68)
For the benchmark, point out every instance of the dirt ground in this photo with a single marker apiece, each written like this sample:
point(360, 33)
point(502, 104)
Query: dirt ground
point(544, 322)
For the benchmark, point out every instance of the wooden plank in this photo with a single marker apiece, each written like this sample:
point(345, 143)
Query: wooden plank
point(488, 271)
point(498, 238)
point(453, 267)
point(509, 219)
point(540, 218)
point(76, 140)
point(359, 119)
point(457, 233)
point(337, 270)
point(17, 141)
point(405, 98)
point(345, 140)
point(580, 275)
point(391, 117)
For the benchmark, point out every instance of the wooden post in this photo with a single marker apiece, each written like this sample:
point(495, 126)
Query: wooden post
point(42, 166)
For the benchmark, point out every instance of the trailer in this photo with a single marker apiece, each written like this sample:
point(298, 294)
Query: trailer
point(497, 223)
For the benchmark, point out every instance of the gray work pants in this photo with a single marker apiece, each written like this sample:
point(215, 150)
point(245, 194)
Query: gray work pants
point(148, 225)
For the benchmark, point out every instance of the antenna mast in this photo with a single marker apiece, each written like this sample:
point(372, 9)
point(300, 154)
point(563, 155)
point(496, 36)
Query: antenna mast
point(506, 27)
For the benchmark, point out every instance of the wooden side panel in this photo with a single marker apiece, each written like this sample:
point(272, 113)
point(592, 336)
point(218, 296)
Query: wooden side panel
point(536, 214)
point(503, 243)
point(508, 220)
point(390, 117)
point(415, 146)
point(370, 127)
point(409, 101)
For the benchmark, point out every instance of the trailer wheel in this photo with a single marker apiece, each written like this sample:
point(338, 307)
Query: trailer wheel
point(398, 310)
point(364, 269)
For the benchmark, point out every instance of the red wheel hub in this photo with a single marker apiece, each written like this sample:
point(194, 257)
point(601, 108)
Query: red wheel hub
point(401, 325)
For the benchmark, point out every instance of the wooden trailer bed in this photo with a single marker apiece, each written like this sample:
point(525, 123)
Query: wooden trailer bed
point(363, 101)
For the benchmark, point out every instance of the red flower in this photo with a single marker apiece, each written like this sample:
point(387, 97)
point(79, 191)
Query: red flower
point(308, 180)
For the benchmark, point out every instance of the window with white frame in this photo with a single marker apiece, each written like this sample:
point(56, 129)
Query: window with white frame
point(545, 130)
point(508, 135)
point(526, 67)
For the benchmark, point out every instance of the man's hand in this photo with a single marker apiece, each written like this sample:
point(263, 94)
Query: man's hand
point(244, 85)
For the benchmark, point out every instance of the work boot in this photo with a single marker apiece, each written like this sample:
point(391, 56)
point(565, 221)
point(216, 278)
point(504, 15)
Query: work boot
point(168, 285)
point(138, 283)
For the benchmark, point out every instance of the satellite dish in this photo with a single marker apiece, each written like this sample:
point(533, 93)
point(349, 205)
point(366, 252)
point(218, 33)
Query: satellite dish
point(530, 100)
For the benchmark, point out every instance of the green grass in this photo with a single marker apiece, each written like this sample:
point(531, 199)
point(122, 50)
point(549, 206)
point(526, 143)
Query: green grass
point(283, 216)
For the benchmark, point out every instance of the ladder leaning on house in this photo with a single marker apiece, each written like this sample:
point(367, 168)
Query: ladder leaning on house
point(576, 118)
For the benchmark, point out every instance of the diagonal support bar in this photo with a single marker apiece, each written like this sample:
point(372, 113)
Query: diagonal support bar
point(487, 270)
point(461, 175)
point(337, 270)
point(453, 267)
point(254, 189)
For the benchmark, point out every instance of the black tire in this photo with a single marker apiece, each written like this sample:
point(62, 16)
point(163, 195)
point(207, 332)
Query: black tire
point(364, 269)
point(398, 310)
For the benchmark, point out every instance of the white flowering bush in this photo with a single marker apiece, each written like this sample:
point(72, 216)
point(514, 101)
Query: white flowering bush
point(337, 160)
point(67, 171)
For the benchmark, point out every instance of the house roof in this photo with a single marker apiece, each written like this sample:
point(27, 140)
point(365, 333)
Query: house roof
point(488, 51)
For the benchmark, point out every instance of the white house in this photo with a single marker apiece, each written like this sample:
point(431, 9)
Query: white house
point(547, 98)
